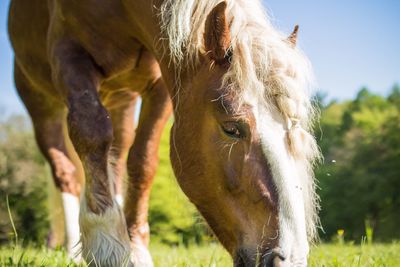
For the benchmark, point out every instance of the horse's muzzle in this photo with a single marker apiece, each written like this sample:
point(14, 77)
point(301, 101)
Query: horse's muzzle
point(270, 258)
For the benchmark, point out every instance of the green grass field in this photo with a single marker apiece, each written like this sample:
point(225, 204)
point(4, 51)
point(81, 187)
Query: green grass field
point(213, 255)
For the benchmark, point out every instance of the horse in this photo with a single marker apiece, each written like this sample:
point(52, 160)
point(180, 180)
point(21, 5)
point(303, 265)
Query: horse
point(242, 147)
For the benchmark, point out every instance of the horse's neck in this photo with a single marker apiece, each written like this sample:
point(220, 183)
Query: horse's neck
point(147, 29)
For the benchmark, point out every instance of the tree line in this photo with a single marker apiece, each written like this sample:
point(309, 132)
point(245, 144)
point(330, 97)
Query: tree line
point(359, 179)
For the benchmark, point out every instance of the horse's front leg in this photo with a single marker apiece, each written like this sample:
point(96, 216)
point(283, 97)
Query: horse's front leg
point(104, 235)
point(122, 117)
point(142, 163)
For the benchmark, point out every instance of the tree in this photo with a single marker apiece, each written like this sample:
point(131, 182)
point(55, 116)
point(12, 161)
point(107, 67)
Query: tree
point(394, 96)
point(23, 179)
point(359, 179)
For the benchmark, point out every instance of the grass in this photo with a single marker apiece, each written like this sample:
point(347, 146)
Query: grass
point(213, 255)
point(376, 255)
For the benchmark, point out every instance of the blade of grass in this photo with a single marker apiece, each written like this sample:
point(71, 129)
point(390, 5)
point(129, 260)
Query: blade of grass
point(12, 221)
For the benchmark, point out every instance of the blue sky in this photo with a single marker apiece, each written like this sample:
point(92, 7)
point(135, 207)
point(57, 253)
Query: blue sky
point(351, 44)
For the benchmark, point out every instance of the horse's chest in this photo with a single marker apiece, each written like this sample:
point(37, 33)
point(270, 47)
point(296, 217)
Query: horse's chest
point(140, 76)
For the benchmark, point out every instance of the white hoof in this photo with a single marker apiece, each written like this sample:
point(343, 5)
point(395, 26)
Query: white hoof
point(74, 253)
point(140, 255)
point(104, 237)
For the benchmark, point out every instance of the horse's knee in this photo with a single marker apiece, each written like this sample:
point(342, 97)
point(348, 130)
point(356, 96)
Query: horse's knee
point(64, 172)
point(78, 79)
point(90, 130)
point(141, 168)
point(90, 126)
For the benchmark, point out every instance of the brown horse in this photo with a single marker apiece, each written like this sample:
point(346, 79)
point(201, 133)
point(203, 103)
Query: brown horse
point(240, 144)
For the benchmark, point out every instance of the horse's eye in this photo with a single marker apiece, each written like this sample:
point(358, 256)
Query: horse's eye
point(232, 129)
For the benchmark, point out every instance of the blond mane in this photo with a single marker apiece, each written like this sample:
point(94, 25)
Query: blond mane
point(264, 62)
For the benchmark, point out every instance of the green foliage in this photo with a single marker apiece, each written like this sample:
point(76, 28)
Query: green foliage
point(360, 178)
point(394, 96)
point(173, 219)
point(23, 176)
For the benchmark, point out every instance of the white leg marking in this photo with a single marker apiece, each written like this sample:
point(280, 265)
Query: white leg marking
point(140, 253)
point(71, 215)
point(287, 180)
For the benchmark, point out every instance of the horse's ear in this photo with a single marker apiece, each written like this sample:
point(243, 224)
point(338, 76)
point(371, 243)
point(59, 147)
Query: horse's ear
point(292, 39)
point(217, 37)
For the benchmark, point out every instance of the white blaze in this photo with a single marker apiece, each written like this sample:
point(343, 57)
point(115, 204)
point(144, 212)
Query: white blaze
point(292, 225)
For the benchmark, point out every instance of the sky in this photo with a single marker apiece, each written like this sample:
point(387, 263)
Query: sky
point(351, 44)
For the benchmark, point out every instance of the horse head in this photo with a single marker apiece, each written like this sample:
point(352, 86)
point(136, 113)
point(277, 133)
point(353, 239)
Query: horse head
point(241, 147)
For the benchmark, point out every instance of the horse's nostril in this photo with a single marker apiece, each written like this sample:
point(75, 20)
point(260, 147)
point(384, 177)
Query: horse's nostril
point(274, 258)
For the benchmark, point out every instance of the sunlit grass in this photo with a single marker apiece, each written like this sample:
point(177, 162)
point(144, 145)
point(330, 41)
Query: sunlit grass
point(376, 255)
point(213, 255)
